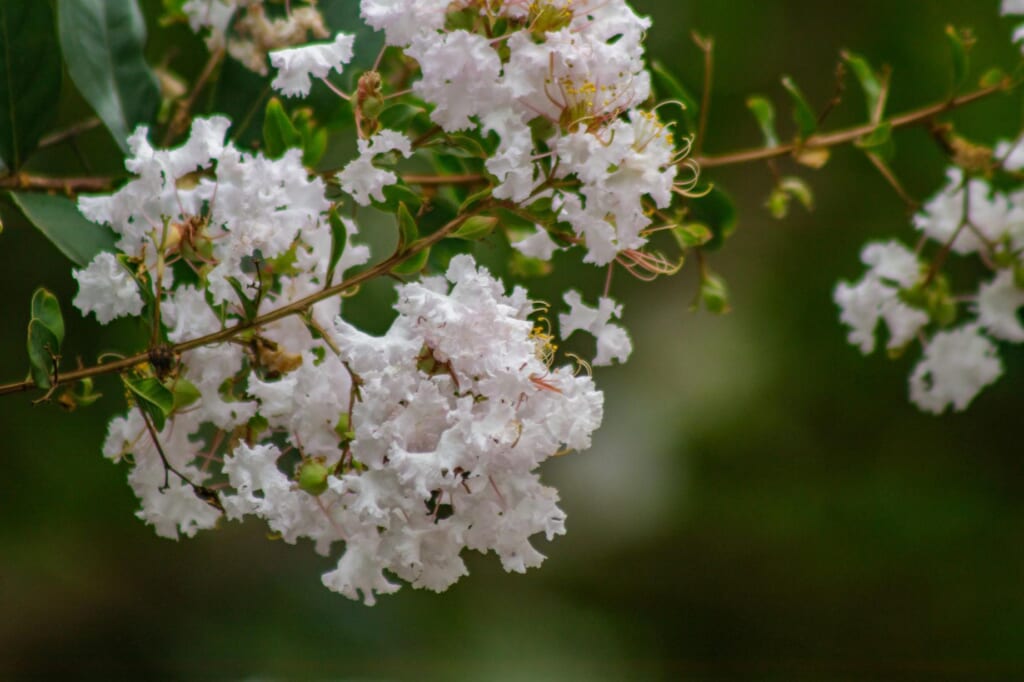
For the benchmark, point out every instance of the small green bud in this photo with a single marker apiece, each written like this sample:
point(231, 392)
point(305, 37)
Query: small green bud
point(714, 295)
point(312, 476)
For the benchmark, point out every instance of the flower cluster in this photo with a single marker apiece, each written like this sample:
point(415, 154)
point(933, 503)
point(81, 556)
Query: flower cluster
point(968, 217)
point(407, 448)
point(260, 399)
point(557, 84)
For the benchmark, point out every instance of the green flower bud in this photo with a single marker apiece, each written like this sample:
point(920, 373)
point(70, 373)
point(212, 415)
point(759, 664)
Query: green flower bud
point(312, 476)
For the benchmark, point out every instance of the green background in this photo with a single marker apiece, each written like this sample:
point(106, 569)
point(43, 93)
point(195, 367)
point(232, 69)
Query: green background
point(761, 502)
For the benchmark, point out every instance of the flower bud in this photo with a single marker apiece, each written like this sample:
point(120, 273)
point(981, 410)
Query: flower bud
point(312, 476)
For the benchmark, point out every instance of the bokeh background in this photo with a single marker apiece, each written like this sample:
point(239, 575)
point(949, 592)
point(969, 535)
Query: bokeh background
point(760, 503)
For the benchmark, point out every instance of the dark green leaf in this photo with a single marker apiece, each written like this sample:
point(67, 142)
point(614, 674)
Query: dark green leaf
point(250, 307)
point(59, 220)
point(407, 230)
point(871, 83)
point(878, 141)
point(669, 88)
point(413, 264)
point(397, 194)
point(42, 346)
point(806, 121)
point(475, 198)
point(103, 43)
point(279, 133)
point(30, 76)
point(764, 112)
point(155, 398)
point(717, 211)
point(475, 227)
point(339, 237)
point(46, 309)
point(960, 44)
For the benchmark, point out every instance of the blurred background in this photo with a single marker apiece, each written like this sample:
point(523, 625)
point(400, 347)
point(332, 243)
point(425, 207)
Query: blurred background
point(761, 502)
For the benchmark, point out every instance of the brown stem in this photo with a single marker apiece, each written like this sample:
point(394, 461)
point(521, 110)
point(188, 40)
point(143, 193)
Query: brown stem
point(707, 46)
point(69, 186)
point(382, 268)
point(910, 118)
point(180, 120)
point(69, 133)
point(465, 179)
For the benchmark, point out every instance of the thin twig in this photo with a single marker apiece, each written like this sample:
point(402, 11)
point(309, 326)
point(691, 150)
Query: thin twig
point(707, 46)
point(910, 118)
point(69, 186)
point(69, 133)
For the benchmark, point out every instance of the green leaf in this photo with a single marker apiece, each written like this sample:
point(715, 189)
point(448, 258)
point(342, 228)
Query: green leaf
point(103, 43)
point(396, 194)
point(477, 197)
point(668, 87)
point(314, 145)
point(764, 112)
point(475, 227)
point(184, 391)
point(279, 133)
point(250, 307)
point(874, 86)
point(806, 121)
point(30, 75)
point(992, 77)
point(407, 230)
point(717, 211)
point(878, 141)
point(60, 221)
point(339, 237)
point(152, 396)
point(42, 346)
point(714, 295)
point(799, 190)
point(46, 309)
point(413, 264)
point(960, 44)
point(692, 235)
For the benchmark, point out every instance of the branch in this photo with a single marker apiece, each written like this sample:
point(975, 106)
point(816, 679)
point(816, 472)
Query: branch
point(299, 306)
point(69, 186)
point(910, 118)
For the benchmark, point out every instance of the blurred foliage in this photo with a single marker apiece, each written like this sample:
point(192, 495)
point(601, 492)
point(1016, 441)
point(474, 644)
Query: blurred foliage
point(761, 503)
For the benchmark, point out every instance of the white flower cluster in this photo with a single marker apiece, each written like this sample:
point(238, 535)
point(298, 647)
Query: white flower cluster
point(575, 64)
point(243, 28)
point(970, 218)
point(406, 448)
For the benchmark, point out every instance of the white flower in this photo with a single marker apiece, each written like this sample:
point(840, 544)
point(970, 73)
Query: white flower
point(460, 77)
point(296, 65)
point(998, 303)
point(537, 245)
point(107, 289)
point(876, 297)
point(402, 20)
point(957, 364)
point(361, 178)
point(1012, 7)
point(613, 341)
